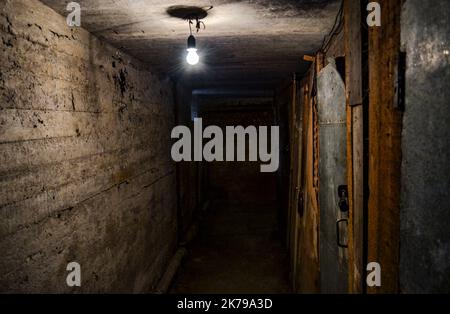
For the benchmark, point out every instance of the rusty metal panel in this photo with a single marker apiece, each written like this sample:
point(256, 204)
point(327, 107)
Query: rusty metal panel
point(332, 175)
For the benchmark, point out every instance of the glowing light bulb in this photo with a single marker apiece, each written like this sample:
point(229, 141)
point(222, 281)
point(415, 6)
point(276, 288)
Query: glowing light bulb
point(192, 57)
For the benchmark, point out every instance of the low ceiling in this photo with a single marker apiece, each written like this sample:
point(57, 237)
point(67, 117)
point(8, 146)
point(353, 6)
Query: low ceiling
point(245, 43)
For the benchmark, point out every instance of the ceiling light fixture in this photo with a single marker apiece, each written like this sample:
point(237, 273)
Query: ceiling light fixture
point(192, 57)
point(192, 14)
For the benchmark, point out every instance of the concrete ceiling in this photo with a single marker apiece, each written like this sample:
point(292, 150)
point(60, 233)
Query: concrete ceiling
point(254, 42)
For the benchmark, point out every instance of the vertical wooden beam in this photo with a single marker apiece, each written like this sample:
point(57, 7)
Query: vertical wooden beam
point(385, 126)
point(308, 269)
point(355, 141)
point(319, 66)
point(295, 175)
point(292, 185)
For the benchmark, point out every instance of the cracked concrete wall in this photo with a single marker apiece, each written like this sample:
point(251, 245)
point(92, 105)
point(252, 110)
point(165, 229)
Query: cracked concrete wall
point(425, 235)
point(85, 167)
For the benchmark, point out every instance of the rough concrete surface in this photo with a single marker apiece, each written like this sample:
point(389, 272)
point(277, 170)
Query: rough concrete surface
point(259, 40)
point(425, 212)
point(85, 173)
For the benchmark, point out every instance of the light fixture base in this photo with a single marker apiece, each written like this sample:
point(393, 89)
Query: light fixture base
point(191, 42)
point(187, 12)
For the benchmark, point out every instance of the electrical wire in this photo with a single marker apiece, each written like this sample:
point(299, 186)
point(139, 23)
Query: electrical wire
point(335, 30)
point(190, 27)
point(198, 25)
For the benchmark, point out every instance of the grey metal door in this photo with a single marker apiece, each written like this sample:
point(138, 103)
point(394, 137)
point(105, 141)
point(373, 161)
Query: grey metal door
point(332, 180)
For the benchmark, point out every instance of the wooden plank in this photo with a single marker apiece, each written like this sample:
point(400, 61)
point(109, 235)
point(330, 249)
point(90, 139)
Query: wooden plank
point(357, 223)
point(352, 29)
point(283, 109)
point(318, 67)
point(385, 126)
point(308, 58)
point(308, 278)
point(299, 132)
point(355, 145)
point(290, 224)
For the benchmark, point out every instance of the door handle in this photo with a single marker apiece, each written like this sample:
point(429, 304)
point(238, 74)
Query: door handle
point(338, 235)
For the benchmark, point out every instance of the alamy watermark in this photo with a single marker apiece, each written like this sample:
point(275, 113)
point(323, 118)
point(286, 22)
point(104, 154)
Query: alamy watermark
point(235, 144)
point(374, 16)
point(74, 17)
point(374, 274)
point(73, 279)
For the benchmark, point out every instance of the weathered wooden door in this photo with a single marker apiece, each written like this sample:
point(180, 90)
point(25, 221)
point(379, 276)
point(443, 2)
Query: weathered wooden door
point(331, 104)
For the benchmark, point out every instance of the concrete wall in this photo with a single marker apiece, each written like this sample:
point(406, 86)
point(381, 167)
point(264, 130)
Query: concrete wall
point(85, 168)
point(425, 212)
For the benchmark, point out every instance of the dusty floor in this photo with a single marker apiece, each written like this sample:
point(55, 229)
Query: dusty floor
point(237, 250)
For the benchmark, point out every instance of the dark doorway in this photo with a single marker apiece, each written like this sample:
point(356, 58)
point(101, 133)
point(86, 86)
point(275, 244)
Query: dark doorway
point(238, 247)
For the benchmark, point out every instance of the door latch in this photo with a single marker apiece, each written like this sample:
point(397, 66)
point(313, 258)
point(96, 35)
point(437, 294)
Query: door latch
point(338, 234)
point(343, 198)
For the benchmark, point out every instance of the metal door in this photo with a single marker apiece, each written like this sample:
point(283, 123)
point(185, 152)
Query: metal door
point(332, 180)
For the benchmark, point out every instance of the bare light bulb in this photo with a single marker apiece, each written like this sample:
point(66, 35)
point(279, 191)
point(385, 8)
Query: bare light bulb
point(192, 57)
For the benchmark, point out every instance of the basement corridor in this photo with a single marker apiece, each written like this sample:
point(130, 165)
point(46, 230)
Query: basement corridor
point(224, 146)
point(238, 250)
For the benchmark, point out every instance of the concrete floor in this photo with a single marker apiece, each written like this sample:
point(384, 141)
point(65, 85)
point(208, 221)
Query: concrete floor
point(237, 250)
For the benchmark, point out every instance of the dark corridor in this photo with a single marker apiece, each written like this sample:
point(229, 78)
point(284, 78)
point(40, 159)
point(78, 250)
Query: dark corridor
point(239, 244)
point(224, 146)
